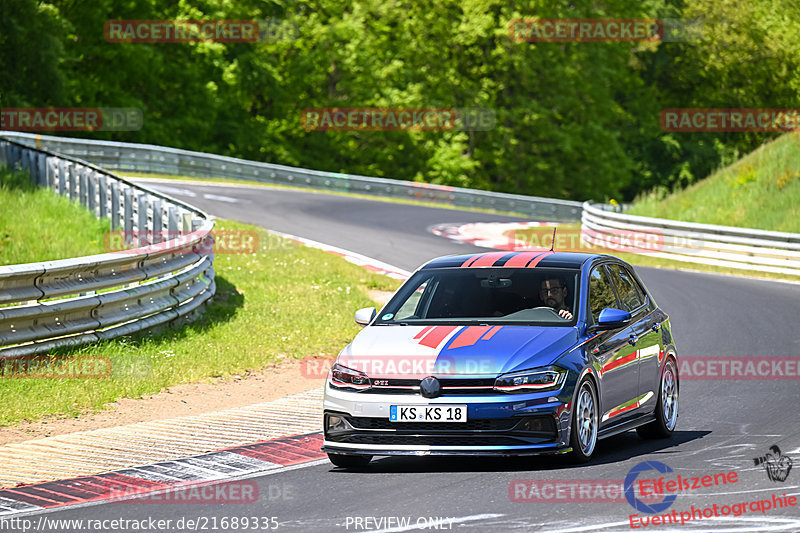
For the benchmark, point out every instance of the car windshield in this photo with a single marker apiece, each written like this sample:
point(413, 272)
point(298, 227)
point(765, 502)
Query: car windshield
point(540, 296)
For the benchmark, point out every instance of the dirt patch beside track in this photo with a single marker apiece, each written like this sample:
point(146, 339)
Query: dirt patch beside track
point(271, 383)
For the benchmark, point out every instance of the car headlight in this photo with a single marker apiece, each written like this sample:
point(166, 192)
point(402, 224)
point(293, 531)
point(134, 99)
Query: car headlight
point(535, 380)
point(343, 377)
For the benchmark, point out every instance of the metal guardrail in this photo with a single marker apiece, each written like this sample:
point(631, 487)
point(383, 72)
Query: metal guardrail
point(168, 275)
point(725, 246)
point(129, 157)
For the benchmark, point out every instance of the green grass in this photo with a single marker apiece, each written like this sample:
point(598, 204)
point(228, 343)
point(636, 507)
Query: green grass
point(285, 301)
point(38, 225)
point(761, 190)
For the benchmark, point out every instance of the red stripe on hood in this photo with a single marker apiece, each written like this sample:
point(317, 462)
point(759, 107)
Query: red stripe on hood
point(436, 335)
point(468, 336)
point(491, 333)
point(422, 333)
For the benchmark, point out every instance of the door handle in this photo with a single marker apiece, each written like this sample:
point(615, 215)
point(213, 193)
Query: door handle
point(632, 339)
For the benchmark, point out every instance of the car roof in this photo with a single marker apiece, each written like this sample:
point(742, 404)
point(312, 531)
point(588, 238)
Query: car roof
point(526, 259)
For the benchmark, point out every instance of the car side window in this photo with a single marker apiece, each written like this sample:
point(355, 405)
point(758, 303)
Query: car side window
point(601, 294)
point(629, 292)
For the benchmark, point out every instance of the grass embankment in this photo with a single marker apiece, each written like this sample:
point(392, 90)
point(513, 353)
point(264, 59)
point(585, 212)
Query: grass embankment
point(37, 225)
point(761, 190)
point(284, 301)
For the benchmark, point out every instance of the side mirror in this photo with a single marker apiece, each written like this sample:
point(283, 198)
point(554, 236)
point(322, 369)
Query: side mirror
point(611, 318)
point(365, 316)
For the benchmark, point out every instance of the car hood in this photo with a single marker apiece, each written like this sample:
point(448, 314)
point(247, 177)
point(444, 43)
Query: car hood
point(396, 351)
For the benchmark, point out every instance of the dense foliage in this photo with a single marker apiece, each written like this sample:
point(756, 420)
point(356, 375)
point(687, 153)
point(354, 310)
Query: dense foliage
point(575, 120)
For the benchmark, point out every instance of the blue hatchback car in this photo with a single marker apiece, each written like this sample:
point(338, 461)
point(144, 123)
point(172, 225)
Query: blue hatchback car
point(504, 353)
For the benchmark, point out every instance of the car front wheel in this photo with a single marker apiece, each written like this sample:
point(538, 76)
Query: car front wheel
point(583, 436)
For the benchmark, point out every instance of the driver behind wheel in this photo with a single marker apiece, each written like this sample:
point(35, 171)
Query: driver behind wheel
point(553, 293)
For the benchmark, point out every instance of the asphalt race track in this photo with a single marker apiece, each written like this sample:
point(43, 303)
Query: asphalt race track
point(723, 424)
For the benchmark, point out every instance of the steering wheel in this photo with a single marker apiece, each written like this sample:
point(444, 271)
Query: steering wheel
point(549, 309)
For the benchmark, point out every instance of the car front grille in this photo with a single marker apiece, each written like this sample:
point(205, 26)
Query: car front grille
point(450, 387)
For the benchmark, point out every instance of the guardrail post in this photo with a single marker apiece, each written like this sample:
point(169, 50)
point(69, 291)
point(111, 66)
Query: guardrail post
point(50, 173)
point(83, 184)
point(115, 206)
point(73, 181)
point(142, 203)
point(186, 222)
point(62, 177)
point(16, 153)
point(31, 166)
point(102, 196)
point(172, 222)
point(127, 219)
point(34, 164)
point(25, 164)
point(41, 160)
point(91, 191)
point(158, 224)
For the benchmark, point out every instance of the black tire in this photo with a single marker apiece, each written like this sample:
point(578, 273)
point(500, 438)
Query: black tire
point(349, 461)
point(667, 407)
point(585, 417)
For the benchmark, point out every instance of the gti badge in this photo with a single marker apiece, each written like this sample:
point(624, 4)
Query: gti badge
point(430, 388)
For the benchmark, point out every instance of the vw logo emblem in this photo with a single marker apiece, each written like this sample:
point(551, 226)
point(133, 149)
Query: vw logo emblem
point(430, 388)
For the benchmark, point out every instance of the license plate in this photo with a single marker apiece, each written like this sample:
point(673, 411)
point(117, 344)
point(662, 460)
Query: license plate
point(428, 413)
